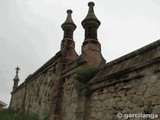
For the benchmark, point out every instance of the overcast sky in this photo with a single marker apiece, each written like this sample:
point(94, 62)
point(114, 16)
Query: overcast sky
point(30, 31)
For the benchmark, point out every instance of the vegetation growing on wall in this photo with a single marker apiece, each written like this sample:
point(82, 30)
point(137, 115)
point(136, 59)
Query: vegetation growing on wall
point(8, 114)
point(83, 75)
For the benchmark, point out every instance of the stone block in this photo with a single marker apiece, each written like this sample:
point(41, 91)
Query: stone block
point(105, 90)
point(79, 116)
point(155, 100)
point(111, 89)
point(142, 88)
point(102, 97)
point(129, 86)
point(124, 99)
point(107, 116)
point(147, 93)
point(98, 104)
point(147, 109)
point(138, 100)
point(121, 93)
point(126, 110)
point(131, 91)
point(108, 95)
point(147, 101)
point(156, 109)
point(130, 105)
point(137, 110)
point(108, 103)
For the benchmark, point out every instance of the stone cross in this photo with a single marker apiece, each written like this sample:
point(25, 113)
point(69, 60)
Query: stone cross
point(17, 69)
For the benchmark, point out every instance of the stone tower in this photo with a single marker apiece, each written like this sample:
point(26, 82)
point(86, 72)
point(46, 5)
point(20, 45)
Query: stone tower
point(68, 44)
point(16, 79)
point(67, 54)
point(91, 48)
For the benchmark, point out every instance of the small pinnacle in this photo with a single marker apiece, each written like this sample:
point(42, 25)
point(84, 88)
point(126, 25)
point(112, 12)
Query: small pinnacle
point(16, 77)
point(91, 4)
point(69, 11)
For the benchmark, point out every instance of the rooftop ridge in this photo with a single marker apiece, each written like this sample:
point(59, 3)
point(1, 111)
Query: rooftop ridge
point(2, 103)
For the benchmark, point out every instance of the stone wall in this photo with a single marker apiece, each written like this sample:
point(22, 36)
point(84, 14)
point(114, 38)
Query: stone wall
point(139, 95)
point(17, 99)
point(69, 101)
point(129, 84)
point(35, 96)
point(38, 94)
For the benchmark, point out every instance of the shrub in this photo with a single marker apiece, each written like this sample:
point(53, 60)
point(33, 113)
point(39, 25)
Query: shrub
point(83, 75)
point(8, 114)
point(30, 116)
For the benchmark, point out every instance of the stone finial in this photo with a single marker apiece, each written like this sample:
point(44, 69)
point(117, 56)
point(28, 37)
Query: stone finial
point(91, 17)
point(68, 26)
point(69, 11)
point(91, 4)
point(69, 21)
point(91, 23)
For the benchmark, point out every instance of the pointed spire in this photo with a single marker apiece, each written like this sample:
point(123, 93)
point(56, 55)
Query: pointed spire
point(91, 17)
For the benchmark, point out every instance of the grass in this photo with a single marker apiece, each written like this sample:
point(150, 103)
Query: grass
point(8, 114)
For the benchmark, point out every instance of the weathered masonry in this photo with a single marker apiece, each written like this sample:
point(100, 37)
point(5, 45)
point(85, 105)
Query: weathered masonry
point(129, 84)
